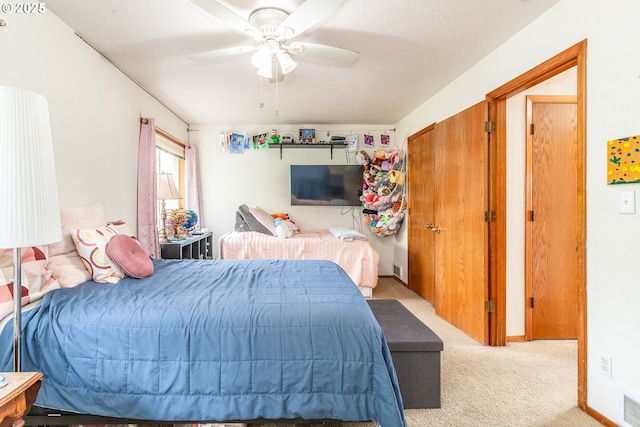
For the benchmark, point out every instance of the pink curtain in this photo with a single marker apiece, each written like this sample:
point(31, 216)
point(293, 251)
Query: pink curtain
point(192, 182)
point(147, 204)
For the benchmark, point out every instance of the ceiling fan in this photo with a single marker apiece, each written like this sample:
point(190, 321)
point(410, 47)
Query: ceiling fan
point(272, 29)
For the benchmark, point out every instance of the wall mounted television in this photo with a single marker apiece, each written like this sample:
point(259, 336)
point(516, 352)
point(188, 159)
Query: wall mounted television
point(326, 185)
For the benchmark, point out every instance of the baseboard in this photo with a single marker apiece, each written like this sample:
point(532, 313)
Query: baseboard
point(396, 278)
point(600, 418)
point(516, 338)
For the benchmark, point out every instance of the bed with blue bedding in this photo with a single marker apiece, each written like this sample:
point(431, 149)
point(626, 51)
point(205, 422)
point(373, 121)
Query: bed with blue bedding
point(215, 340)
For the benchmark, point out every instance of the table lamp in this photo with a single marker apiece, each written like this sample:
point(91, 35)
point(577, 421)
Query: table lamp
point(29, 212)
point(166, 191)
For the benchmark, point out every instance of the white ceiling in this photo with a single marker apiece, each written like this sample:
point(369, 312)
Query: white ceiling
point(409, 50)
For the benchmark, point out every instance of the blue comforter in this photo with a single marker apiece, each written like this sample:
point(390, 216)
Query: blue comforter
point(213, 341)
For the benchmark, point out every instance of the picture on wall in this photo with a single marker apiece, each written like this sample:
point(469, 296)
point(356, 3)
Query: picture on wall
point(307, 136)
point(623, 165)
point(368, 140)
point(384, 139)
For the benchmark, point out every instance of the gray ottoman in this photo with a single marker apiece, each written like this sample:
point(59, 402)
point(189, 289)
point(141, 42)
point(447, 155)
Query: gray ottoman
point(415, 350)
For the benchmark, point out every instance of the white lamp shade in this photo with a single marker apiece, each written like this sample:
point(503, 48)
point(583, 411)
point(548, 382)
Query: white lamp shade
point(29, 212)
point(167, 189)
point(262, 57)
point(266, 71)
point(287, 64)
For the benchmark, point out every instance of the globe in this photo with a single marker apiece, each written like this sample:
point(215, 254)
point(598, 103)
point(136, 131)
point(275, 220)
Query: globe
point(191, 219)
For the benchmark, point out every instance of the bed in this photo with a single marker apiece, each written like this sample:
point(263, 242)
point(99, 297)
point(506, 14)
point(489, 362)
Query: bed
point(358, 258)
point(214, 340)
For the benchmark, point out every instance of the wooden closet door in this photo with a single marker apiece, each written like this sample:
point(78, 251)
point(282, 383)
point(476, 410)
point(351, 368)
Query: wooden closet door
point(461, 233)
point(421, 193)
point(553, 233)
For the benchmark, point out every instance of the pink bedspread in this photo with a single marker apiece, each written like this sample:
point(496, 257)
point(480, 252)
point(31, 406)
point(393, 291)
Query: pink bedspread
point(358, 258)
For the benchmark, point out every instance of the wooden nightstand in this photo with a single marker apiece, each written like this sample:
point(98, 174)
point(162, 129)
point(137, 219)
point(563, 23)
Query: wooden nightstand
point(17, 396)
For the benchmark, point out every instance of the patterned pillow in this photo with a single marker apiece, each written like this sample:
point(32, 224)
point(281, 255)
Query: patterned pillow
point(36, 278)
point(263, 218)
point(91, 244)
point(252, 222)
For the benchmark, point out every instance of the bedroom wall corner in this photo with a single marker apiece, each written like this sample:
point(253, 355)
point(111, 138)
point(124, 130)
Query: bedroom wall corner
point(94, 110)
point(261, 178)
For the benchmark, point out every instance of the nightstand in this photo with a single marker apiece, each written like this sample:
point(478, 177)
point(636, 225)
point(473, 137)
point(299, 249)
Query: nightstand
point(17, 396)
point(198, 246)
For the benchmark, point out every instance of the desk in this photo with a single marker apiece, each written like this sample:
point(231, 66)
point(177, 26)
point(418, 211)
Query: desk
point(17, 396)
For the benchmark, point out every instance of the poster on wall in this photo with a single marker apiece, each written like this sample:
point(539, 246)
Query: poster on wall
point(368, 140)
point(623, 165)
point(351, 142)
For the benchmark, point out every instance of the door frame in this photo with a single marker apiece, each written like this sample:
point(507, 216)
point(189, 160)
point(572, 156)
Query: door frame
point(574, 56)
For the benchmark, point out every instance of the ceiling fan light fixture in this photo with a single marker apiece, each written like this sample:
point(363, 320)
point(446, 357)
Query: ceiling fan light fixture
point(287, 64)
point(262, 57)
point(266, 71)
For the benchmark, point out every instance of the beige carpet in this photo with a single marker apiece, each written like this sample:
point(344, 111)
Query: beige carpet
point(524, 384)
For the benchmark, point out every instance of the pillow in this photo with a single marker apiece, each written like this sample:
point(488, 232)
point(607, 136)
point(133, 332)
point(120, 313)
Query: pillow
point(241, 225)
point(120, 227)
point(252, 222)
point(347, 234)
point(90, 244)
point(263, 218)
point(68, 269)
point(36, 278)
point(130, 256)
point(76, 218)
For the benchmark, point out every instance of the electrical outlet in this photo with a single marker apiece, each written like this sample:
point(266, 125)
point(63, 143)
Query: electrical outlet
point(604, 366)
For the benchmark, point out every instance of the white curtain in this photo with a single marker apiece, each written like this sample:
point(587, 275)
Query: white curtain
point(192, 182)
point(147, 204)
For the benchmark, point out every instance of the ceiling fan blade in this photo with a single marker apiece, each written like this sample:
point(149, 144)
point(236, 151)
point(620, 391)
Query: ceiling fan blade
point(322, 51)
point(307, 15)
point(223, 53)
point(228, 16)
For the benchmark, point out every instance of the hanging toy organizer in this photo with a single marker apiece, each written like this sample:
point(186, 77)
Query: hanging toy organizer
point(384, 192)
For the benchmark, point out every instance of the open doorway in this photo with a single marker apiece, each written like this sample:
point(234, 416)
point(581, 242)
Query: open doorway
point(570, 58)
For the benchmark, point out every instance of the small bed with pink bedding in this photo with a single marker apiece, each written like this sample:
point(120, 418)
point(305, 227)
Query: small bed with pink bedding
point(256, 237)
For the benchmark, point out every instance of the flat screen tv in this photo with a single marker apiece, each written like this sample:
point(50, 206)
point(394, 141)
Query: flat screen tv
point(326, 185)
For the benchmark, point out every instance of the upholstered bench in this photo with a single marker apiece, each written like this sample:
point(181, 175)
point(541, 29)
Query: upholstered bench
point(415, 350)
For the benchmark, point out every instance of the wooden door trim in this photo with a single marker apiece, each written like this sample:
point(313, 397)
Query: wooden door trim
point(574, 56)
point(528, 286)
point(421, 132)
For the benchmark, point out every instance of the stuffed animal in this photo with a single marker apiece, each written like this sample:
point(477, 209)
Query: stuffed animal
point(362, 158)
point(284, 228)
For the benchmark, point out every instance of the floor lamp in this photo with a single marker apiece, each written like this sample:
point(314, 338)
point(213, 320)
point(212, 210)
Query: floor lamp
point(166, 191)
point(29, 212)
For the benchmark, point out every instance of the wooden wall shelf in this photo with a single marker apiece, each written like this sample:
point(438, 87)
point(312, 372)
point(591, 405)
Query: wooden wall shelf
point(329, 145)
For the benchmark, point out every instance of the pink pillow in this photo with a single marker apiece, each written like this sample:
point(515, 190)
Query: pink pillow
point(130, 256)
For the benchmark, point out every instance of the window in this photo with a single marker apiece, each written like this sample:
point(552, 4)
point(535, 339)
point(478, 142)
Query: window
point(170, 159)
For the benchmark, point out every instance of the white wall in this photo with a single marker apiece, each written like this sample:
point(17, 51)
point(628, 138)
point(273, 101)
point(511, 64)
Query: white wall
point(613, 88)
point(261, 178)
point(94, 110)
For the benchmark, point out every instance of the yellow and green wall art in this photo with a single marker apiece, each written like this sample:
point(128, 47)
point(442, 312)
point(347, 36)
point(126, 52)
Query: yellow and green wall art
point(624, 160)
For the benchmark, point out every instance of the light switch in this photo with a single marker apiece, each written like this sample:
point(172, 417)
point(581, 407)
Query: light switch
point(628, 202)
